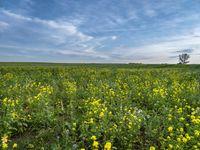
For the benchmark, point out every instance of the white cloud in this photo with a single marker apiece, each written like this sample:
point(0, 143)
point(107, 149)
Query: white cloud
point(54, 37)
point(49, 35)
point(16, 16)
point(114, 37)
point(3, 25)
point(65, 27)
point(160, 52)
point(88, 53)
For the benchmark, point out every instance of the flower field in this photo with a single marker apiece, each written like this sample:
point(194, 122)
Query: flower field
point(99, 108)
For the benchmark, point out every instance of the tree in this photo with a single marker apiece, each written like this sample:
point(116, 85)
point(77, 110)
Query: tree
point(183, 58)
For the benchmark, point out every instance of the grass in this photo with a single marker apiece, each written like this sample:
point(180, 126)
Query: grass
point(99, 106)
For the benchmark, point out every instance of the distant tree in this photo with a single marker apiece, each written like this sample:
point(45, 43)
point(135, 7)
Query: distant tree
point(183, 58)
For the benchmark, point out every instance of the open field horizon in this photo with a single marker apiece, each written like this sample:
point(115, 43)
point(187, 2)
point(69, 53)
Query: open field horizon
point(99, 106)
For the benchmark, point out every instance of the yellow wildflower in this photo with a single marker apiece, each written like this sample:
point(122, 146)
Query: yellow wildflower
point(91, 120)
point(168, 137)
point(180, 110)
point(14, 145)
point(181, 129)
point(192, 117)
point(152, 148)
point(93, 138)
point(170, 146)
point(184, 139)
point(101, 115)
point(178, 139)
point(181, 118)
point(195, 146)
point(73, 129)
point(14, 115)
point(196, 133)
point(187, 136)
point(4, 139)
point(4, 145)
point(95, 144)
point(170, 129)
point(110, 113)
point(107, 146)
point(30, 146)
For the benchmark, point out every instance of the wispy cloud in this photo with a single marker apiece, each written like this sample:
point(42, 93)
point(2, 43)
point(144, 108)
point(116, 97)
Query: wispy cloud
point(54, 37)
point(65, 27)
point(163, 51)
point(3, 25)
point(185, 51)
point(114, 37)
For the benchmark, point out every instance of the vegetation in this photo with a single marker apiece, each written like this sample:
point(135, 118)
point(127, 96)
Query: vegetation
point(93, 106)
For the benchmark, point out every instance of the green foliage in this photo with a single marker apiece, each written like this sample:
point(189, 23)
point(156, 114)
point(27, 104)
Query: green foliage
point(44, 106)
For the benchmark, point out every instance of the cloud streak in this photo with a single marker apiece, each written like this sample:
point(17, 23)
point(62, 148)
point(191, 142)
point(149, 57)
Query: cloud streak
point(54, 36)
point(3, 25)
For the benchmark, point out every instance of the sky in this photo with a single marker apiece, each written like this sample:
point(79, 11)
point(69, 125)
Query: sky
point(99, 31)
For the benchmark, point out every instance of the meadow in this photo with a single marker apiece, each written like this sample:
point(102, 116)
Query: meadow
point(99, 106)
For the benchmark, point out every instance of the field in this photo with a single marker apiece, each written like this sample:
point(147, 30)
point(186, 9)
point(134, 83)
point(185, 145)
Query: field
point(99, 106)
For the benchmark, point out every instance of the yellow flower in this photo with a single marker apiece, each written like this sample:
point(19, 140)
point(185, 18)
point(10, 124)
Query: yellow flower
point(170, 115)
point(187, 136)
point(95, 144)
point(181, 129)
point(181, 119)
point(14, 115)
point(14, 145)
point(4, 139)
point(82, 148)
point(30, 146)
point(107, 146)
point(93, 138)
point(178, 139)
point(110, 113)
point(13, 104)
point(184, 139)
point(170, 129)
point(101, 115)
point(170, 146)
point(4, 145)
point(152, 148)
point(180, 110)
point(73, 129)
point(195, 146)
point(196, 133)
point(91, 120)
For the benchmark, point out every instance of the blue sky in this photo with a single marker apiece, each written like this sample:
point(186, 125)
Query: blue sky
point(108, 31)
